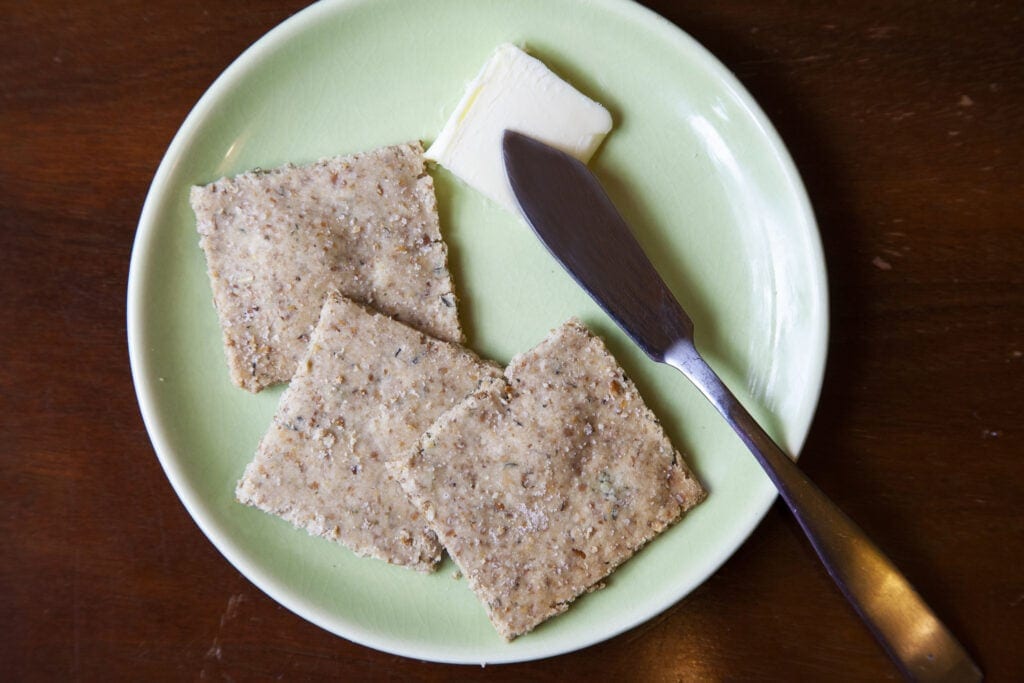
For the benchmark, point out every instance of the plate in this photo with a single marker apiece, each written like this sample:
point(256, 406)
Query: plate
point(694, 166)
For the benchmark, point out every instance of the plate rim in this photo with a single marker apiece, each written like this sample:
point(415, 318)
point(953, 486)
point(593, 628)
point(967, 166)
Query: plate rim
point(157, 195)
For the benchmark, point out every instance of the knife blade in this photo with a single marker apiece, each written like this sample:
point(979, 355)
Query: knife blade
point(565, 205)
point(602, 256)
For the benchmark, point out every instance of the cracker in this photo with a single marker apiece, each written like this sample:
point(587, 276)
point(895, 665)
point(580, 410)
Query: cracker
point(540, 486)
point(366, 390)
point(277, 241)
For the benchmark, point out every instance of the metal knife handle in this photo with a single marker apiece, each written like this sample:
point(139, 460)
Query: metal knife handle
point(906, 627)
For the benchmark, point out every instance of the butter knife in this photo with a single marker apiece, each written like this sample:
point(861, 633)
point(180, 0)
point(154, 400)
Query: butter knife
point(572, 215)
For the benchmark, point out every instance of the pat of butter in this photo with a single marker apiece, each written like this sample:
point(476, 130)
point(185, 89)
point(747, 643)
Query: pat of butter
point(517, 92)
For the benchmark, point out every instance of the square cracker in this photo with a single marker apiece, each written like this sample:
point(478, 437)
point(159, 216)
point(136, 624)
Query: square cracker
point(277, 241)
point(366, 390)
point(540, 486)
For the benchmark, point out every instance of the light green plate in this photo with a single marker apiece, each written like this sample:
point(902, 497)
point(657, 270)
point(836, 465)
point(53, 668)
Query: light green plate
point(694, 166)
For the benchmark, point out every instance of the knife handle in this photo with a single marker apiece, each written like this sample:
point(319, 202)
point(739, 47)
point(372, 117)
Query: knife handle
point(911, 634)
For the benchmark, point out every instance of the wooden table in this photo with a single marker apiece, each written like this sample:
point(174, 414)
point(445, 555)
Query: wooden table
point(906, 122)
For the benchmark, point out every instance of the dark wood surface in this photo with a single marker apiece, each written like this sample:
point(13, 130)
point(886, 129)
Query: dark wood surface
point(906, 122)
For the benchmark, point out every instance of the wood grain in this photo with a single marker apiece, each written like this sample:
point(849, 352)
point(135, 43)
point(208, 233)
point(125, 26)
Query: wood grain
point(905, 120)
